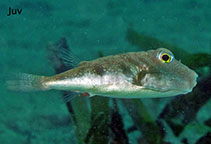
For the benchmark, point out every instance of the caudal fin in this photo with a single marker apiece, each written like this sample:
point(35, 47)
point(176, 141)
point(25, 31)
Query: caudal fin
point(26, 82)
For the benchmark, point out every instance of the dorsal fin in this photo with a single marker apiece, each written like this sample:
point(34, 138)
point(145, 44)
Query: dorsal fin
point(65, 53)
point(61, 54)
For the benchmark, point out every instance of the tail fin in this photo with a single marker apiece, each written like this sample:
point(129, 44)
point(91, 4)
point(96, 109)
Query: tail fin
point(26, 82)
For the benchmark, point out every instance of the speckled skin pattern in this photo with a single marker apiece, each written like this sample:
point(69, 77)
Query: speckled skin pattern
point(128, 75)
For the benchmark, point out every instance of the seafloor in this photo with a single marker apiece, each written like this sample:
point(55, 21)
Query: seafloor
point(96, 28)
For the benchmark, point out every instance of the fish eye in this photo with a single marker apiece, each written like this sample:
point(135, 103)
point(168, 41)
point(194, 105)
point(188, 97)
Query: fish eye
point(165, 57)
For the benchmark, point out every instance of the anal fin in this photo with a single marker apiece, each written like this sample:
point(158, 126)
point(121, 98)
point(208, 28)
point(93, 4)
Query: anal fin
point(69, 95)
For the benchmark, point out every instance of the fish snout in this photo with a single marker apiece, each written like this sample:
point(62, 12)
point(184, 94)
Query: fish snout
point(192, 80)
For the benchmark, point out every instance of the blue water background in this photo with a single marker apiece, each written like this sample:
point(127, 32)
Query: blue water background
point(90, 26)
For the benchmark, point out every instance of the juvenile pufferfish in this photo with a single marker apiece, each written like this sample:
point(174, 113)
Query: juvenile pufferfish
point(153, 73)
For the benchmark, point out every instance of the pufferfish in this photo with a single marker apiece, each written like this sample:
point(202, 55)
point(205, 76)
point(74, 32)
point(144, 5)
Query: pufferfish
point(148, 74)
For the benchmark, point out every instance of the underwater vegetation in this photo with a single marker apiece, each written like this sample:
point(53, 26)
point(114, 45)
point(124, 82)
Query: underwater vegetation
point(99, 120)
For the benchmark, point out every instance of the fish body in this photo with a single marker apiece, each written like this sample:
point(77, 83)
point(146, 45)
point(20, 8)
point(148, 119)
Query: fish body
point(127, 75)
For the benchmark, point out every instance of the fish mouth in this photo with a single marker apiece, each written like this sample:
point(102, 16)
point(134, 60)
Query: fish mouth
point(193, 83)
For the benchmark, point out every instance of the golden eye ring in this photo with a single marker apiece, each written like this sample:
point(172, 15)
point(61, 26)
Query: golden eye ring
point(165, 57)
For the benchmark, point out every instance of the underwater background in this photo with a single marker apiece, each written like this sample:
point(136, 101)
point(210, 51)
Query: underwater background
point(92, 29)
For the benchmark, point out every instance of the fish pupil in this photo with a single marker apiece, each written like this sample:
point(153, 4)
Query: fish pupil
point(165, 57)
